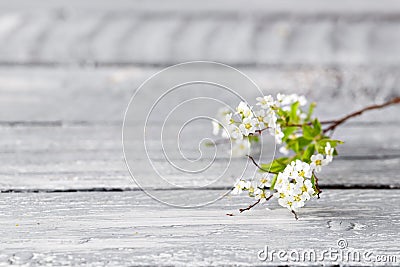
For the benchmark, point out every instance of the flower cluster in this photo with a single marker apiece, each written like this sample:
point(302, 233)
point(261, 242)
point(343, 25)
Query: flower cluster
point(295, 185)
point(246, 121)
point(306, 148)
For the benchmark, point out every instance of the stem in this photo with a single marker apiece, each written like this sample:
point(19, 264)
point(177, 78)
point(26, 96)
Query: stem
point(316, 184)
point(395, 100)
point(295, 215)
point(254, 204)
point(249, 207)
point(258, 166)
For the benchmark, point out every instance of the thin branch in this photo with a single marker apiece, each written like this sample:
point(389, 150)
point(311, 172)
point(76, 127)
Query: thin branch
point(258, 166)
point(251, 206)
point(316, 185)
point(295, 214)
point(262, 130)
point(307, 123)
point(336, 123)
point(254, 204)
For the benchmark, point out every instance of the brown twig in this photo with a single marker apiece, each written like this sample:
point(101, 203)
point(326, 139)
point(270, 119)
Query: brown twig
point(249, 207)
point(335, 123)
point(295, 214)
point(258, 166)
point(254, 204)
point(316, 184)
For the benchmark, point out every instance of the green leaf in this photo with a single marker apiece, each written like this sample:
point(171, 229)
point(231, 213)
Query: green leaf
point(321, 144)
point(310, 111)
point(287, 131)
point(294, 145)
point(308, 153)
point(303, 142)
point(317, 127)
point(273, 182)
point(293, 112)
point(253, 138)
point(276, 165)
point(308, 132)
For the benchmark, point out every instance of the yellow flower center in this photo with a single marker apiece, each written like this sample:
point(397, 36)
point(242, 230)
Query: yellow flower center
point(297, 198)
point(260, 118)
point(301, 173)
point(318, 162)
point(247, 125)
point(281, 195)
point(304, 188)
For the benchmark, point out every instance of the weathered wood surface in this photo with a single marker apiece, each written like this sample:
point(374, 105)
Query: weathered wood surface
point(238, 32)
point(129, 228)
point(90, 94)
point(90, 156)
point(68, 70)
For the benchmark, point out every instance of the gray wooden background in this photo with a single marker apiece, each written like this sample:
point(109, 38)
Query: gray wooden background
point(69, 68)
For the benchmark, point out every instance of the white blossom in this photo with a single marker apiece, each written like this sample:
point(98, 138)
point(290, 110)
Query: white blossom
point(329, 152)
point(264, 180)
point(261, 194)
point(303, 169)
point(248, 126)
point(240, 147)
point(284, 150)
point(240, 186)
point(265, 102)
point(244, 110)
point(317, 161)
point(235, 132)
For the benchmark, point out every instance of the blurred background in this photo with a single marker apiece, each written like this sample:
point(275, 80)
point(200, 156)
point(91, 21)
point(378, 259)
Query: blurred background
point(73, 56)
point(65, 65)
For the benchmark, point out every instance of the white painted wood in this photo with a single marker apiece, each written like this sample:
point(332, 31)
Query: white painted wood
point(73, 93)
point(230, 31)
point(129, 228)
point(90, 156)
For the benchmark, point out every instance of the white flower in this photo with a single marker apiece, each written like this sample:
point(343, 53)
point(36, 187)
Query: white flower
point(281, 181)
point(308, 188)
point(329, 152)
point(252, 187)
point(302, 100)
point(317, 161)
point(244, 110)
point(228, 118)
point(248, 126)
point(286, 201)
point(287, 100)
point(303, 169)
point(235, 132)
point(284, 150)
point(240, 147)
point(265, 102)
point(278, 135)
point(240, 186)
point(216, 127)
point(264, 180)
point(261, 194)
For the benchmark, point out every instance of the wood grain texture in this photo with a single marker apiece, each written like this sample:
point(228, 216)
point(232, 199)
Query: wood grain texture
point(129, 228)
point(152, 33)
point(90, 94)
point(90, 156)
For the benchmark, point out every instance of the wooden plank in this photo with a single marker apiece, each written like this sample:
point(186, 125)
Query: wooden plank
point(102, 94)
point(79, 157)
point(257, 33)
point(129, 228)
